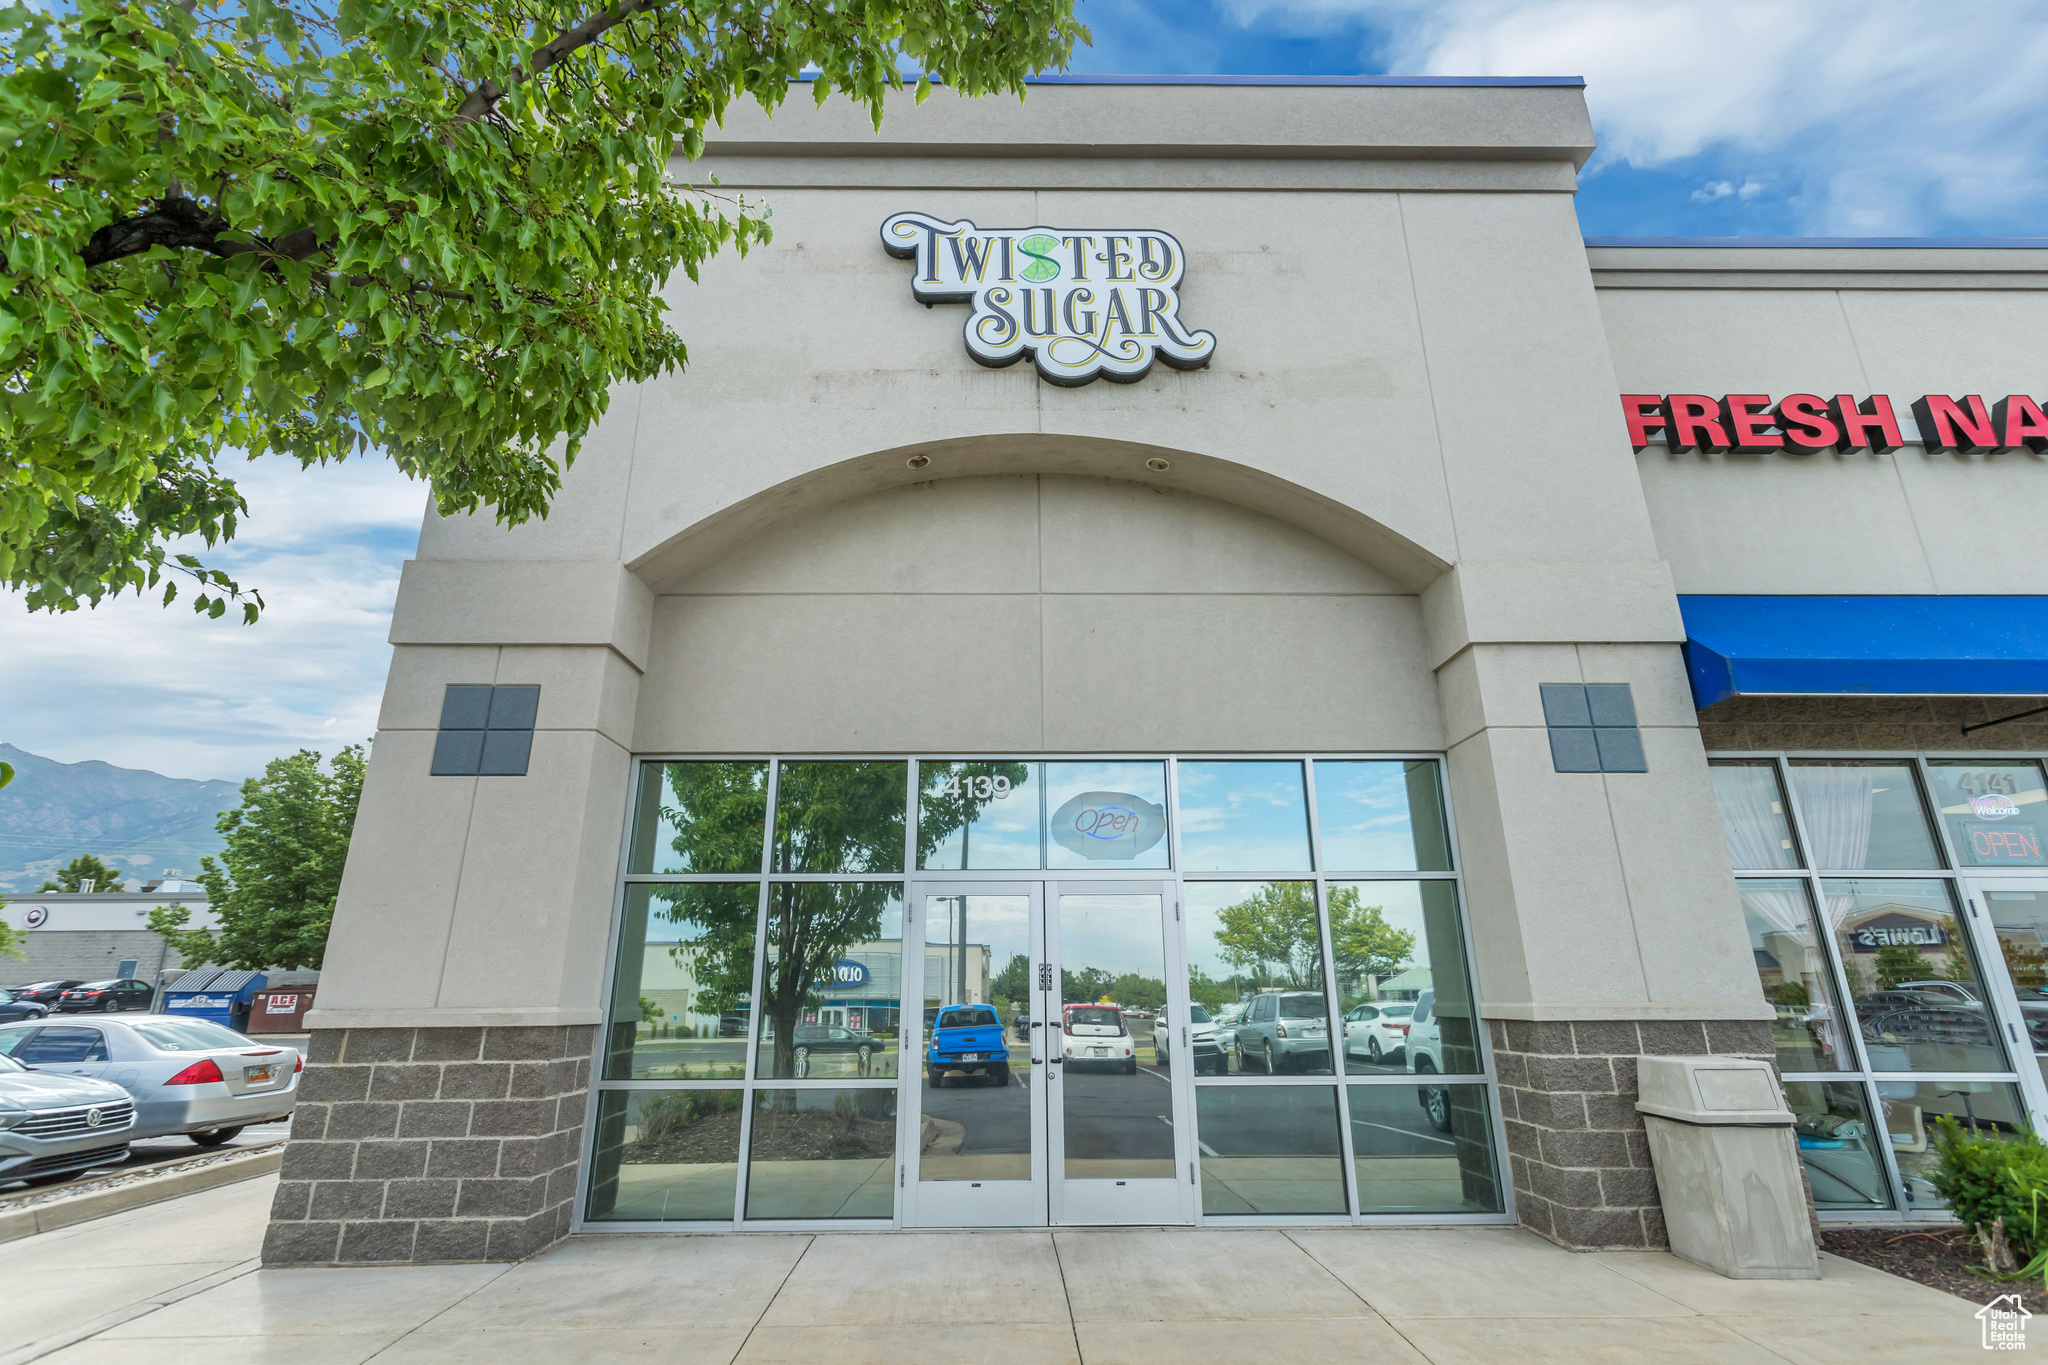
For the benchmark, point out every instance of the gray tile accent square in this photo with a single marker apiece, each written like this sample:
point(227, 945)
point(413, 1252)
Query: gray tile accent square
point(457, 753)
point(465, 706)
point(513, 708)
point(1573, 751)
point(1610, 703)
point(505, 753)
point(1621, 750)
point(1565, 704)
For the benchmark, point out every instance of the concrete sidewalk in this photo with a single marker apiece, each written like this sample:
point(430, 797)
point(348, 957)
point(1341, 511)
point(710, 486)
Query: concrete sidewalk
point(178, 1282)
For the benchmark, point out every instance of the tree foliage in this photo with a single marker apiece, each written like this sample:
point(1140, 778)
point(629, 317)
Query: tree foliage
point(73, 876)
point(312, 229)
point(273, 888)
point(1271, 936)
point(843, 818)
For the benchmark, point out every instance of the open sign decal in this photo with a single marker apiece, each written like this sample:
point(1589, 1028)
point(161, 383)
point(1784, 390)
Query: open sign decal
point(1108, 826)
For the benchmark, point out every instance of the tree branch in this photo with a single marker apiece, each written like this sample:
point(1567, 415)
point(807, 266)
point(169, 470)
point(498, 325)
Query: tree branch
point(483, 100)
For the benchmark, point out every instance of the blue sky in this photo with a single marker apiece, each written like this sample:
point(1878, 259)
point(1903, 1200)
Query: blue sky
point(1730, 118)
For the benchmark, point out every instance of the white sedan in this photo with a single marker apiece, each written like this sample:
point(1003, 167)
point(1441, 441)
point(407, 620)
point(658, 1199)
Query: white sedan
point(1378, 1032)
point(188, 1076)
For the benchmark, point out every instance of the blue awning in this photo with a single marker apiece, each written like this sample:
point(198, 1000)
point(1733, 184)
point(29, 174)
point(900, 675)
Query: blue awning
point(1865, 646)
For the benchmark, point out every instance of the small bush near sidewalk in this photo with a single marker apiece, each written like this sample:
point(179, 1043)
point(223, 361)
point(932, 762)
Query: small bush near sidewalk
point(1998, 1188)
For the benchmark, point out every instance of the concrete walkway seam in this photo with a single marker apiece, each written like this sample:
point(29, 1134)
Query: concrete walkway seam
point(36, 1350)
point(91, 1204)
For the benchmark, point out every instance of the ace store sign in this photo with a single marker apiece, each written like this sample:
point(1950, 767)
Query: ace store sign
point(1083, 303)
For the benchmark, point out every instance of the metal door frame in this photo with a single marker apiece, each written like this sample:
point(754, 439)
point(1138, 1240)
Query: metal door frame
point(953, 1203)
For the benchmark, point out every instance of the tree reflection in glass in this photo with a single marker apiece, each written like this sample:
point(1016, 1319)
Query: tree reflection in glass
point(810, 927)
point(700, 817)
point(686, 965)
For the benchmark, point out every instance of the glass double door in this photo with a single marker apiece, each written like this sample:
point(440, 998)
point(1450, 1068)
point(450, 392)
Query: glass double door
point(1044, 1090)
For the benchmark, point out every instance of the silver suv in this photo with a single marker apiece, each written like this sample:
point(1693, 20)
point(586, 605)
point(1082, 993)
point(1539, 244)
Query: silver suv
point(53, 1127)
point(1285, 1031)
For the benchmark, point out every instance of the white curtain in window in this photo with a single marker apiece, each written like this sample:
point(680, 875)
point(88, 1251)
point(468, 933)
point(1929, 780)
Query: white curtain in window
point(1835, 802)
point(1745, 793)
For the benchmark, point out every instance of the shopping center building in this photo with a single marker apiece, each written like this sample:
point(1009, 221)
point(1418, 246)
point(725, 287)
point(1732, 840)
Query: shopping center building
point(1313, 665)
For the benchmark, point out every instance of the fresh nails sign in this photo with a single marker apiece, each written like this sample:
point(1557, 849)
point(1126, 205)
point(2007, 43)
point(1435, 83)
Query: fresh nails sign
point(1083, 303)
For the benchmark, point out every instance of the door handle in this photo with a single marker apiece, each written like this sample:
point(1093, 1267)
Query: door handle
point(1056, 1061)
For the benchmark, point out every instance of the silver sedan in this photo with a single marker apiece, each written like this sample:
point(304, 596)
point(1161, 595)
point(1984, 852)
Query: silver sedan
point(53, 1127)
point(186, 1076)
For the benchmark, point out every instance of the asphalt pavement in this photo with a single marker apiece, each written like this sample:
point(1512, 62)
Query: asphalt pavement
point(1110, 1115)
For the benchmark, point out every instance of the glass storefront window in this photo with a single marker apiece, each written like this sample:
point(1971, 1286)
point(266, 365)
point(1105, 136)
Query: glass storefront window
point(1863, 815)
point(1423, 1149)
point(2019, 916)
point(1912, 980)
point(979, 816)
point(1255, 961)
point(1986, 1108)
point(700, 817)
point(840, 817)
point(1381, 816)
point(686, 966)
point(1995, 811)
point(763, 914)
point(1753, 814)
point(1838, 1145)
point(831, 981)
point(822, 1154)
point(1242, 817)
point(1270, 1149)
point(665, 1155)
point(1105, 815)
point(1792, 968)
point(1394, 943)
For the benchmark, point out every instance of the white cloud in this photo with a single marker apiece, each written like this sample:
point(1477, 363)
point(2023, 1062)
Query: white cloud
point(1890, 116)
point(1723, 189)
point(142, 686)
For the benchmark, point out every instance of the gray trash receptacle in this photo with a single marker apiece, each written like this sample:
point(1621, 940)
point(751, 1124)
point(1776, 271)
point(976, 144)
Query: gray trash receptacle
point(1727, 1166)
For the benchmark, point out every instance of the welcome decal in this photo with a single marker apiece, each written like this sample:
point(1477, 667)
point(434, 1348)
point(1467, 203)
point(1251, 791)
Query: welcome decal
point(1082, 303)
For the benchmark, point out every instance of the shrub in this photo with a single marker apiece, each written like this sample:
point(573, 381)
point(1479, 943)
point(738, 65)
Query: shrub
point(1985, 1179)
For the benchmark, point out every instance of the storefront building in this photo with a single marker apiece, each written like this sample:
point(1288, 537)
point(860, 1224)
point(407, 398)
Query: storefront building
point(1310, 666)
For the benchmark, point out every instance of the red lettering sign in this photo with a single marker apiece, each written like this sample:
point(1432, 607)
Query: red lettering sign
point(1752, 424)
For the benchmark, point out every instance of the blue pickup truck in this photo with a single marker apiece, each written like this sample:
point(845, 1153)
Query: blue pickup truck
point(969, 1039)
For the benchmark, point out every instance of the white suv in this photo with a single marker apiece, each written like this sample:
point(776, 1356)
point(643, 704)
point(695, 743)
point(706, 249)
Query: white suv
point(1426, 1058)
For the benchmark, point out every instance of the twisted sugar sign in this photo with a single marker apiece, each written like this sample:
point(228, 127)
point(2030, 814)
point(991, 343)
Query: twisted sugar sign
point(1082, 303)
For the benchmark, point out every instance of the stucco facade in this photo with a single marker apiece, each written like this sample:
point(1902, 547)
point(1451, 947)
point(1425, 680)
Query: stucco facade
point(1399, 501)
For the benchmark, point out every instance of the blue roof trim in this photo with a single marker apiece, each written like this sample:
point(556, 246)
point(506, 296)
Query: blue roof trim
point(1070, 78)
point(1854, 243)
point(1865, 646)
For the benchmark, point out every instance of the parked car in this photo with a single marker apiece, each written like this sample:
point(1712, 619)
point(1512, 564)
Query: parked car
point(1284, 1031)
point(1378, 1032)
point(1208, 1040)
point(13, 1007)
point(967, 1039)
point(1097, 1035)
point(1426, 1058)
point(732, 1024)
point(54, 1127)
point(46, 992)
point(811, 1040)
point(106, 996)
point(185, 1076)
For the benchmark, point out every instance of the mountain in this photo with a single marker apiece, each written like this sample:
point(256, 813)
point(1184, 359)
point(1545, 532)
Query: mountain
point(140, 821)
